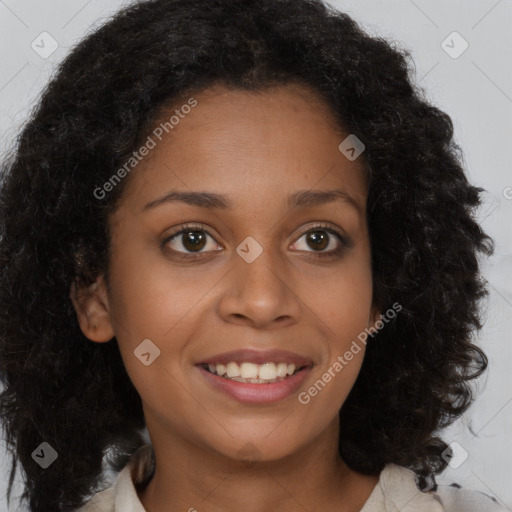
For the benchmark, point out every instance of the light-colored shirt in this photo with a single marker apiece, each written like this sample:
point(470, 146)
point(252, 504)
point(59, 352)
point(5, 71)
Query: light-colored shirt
point(396, 491)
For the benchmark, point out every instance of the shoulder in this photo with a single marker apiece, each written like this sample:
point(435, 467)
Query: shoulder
point(456, 498)
point(397, 490)
point(103, 501)
point(122, 495)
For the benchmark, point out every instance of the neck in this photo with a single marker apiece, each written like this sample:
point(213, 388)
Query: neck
point(188, 477)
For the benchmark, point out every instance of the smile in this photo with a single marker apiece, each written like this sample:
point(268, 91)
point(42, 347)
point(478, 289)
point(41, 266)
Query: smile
point(253, 373)
point(255, 376)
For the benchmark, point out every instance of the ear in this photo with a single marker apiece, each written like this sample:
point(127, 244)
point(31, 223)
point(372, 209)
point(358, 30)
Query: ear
point(92, 309)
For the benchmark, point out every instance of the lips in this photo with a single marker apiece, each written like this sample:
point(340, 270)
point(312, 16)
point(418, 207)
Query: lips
point(259, 390)
point(250, 393)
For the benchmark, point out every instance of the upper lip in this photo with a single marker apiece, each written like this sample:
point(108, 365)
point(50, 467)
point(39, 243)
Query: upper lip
point(258, 357)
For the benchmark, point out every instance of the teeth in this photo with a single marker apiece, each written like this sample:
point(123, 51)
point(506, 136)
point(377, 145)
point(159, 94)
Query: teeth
point(250, 372)
point(282, 370)
point(268, 371)
point(233, 370)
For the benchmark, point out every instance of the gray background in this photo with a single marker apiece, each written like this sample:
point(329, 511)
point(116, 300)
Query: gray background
point(475, 89)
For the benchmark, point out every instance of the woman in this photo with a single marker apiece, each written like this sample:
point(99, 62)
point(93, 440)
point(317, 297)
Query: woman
point(226, 223)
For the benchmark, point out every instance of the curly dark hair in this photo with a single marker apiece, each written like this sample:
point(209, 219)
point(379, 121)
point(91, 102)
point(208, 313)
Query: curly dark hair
point(76, 395)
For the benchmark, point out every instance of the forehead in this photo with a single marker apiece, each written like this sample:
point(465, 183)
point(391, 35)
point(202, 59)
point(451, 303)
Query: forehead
point(249, 145)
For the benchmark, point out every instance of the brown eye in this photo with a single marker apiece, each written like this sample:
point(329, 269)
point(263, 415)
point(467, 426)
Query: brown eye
point(193, 240)
point(322, 240)
point(317, 240)
point(190, 240)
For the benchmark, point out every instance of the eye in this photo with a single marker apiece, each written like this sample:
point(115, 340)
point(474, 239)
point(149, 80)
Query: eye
point(190, 239)
point(323, 240)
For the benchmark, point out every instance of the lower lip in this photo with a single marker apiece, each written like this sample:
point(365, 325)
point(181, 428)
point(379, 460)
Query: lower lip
point(257, 393)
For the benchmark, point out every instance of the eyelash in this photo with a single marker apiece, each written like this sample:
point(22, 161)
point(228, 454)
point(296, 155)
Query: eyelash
point(343, 240)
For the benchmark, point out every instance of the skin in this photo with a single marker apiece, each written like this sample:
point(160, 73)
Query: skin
point(256, 148)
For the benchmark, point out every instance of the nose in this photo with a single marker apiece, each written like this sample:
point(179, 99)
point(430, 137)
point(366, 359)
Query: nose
point(260, 294)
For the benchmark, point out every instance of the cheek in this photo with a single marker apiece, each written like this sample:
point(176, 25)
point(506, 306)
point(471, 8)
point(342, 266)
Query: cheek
point(343, 308)
point(150, 295)
point(343, 302)
point(153, 300)
point(148, 308)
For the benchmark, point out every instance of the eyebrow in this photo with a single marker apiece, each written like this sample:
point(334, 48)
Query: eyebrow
point(299, 199)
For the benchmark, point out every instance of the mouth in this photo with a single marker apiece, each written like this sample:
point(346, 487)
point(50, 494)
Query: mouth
point(256, 377)
point(256, 367)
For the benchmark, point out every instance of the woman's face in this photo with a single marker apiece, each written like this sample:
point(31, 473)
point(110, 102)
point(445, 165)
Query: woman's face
point(258, 273)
